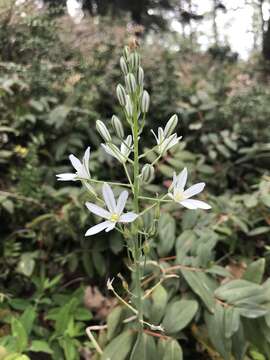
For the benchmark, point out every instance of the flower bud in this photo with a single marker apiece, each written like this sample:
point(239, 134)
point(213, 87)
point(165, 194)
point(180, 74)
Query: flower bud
point(134, 60)
point(123, 65)
point(171, 125)
point(145, 102)
point(117, 126)
point(121, 94)
point(103, 131)
point(148, 173)
point(140, 76)
point(126, 53)
point(129, 106)
point(130, 83)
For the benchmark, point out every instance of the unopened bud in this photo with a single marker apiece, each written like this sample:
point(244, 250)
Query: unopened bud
point(117, 126)
point(123, 65)
point(134, 60)
point(148, 173)
point(103, 131)
point(121, 94)
point(126, 53)
point(146, 248)
point(145, 102)
point(140, 76)
point(130, 83)
point(171, 125)
point(129, 106)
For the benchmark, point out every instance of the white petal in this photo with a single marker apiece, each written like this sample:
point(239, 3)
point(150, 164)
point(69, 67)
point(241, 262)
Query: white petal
point(66, 177)
point(86, 158)
point(75, 162)
point(195, 204)
point(182, 179)
point(109, 198)
point(121, 202)
point(98, 228)
point(97, 210)
point(194, 190)
point(128, 217)
point(111, 226)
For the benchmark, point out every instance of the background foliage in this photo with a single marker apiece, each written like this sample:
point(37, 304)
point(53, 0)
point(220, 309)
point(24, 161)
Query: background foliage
point(54, 84)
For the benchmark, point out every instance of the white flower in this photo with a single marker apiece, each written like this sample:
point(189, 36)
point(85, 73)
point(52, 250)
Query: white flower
point(124, 152)
point(74, 8)
point(182, 196)
point(164, 141)
point(82, 168)
point(113, 215)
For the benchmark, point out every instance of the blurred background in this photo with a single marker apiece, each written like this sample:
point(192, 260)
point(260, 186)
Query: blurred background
point(207, 61)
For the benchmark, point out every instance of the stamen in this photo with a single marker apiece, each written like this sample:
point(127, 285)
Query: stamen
point(114, 217)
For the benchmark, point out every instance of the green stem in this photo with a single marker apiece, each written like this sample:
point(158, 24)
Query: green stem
point(107, 182)
point(137, 252)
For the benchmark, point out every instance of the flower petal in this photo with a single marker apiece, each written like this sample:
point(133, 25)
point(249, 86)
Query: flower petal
point(194, 190)
point(195, 204)
point(121, 202)
point(109, 198)
point(97, 210)
point(128, 217)
point(182, 179)
point(66, 177)
point(111, 226)
point(98, 228)
point(86, 159)
point(75, 162)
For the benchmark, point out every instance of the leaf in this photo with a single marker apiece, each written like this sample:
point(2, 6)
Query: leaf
point(216, 329)
point(19, 333)
point(27, 319)
point(219, 270)
point(69, 348)
point(173, 351)
point(198, 281)
point(259, 231)
point(120, 347)
point(232, 321)
point(255, 271)
point(114, 321)
point(144, 348)
point(166, 231)
point(159, 302)
point(26, 264)
point(178, 315)
point(82, 314)
point(40, 346)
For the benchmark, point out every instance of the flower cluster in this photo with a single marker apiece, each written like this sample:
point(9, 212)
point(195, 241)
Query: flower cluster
point(134, 101)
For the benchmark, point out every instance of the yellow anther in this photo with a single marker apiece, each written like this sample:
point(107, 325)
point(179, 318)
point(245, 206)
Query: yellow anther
point(114, 217)
point(179, 196)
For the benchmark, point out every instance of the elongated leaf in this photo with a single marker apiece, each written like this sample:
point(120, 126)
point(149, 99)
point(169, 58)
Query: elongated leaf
point(159, 302)
point(120, 347)
point(179, 314)
point(166, 231)
point(20, 334)
point(199, 283)
point(144, 348)
point(40, 346)
point(255, 271)
point(173, 351)
point(114, 322)
point(27, 319)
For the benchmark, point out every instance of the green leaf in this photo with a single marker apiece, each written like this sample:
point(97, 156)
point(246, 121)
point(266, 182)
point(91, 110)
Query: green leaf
point(159, 302)
point(26, 264)
point(19, 333)
point(82, 314)
point(259, 231)
point(216, 330)
point(199, 283)
point(178, 315)
point(40, 346)
point(255, 271)
point(144, 348)
point(99, 263)
point(114, 322)
point(120, 347)
point(70, 351)
point(27, 319)
point(173, 351)
point(166, 231)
